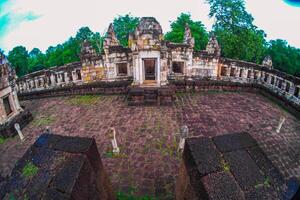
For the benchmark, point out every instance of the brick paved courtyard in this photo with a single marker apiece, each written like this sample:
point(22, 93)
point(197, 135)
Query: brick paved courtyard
point(147, 136)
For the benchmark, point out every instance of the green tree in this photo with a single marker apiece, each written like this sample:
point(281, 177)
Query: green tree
point(123, 25)
point(84, 33)
point(197, 28)
point(36, 60)
point(18, 57)
point(235, 31)
point(285, 57)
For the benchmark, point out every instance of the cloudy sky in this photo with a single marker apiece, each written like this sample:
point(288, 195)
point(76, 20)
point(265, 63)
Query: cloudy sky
point(41, 23)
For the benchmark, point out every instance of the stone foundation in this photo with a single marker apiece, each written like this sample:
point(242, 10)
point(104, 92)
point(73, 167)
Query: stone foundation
point(138, 96)
point(228, 167)
point(59, 167)
point(8, 129)
point(116, 87)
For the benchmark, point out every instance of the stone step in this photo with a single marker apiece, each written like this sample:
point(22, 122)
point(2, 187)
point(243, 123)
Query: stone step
point(150, 102)
point(150, 96)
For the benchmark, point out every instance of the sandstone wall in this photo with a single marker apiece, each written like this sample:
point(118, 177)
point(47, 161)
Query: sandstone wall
point(59, 167)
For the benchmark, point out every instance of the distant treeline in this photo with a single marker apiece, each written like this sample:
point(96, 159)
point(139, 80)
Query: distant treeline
point(238, 36)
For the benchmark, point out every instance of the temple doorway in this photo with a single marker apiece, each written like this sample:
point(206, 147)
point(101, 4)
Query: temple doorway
point(150, 69)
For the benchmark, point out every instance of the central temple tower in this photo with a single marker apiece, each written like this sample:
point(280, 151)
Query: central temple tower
point(146, 43)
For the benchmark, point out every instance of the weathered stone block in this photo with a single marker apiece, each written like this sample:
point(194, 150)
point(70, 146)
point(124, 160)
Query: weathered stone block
point(65, 168)
point(221, 185)
point(233, 142)
point(197, 149)
point(244, 169)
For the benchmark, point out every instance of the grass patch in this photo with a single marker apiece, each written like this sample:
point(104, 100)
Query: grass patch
point(225, 166)
point(167, 149)
point(110, 154)
point(85, 100)
point(2, 140)
point(44, 121)
point(30, 170)
point(265, 184)
point(131, 196)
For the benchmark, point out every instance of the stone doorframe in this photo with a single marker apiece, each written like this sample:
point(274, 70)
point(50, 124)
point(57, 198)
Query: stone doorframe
point(140, 69)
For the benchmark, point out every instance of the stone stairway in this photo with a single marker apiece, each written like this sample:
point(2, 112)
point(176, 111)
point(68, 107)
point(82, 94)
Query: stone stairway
point(151, 96)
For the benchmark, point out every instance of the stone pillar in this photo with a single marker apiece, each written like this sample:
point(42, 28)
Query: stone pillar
point(66, 77)
point(53, 83)
point(74, 77)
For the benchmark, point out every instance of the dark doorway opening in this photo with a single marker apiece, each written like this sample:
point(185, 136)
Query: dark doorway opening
point(149, 65)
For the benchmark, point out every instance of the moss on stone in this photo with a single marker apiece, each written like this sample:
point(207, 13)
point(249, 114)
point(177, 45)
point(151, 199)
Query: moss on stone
point(83, 100)
point(30, 170)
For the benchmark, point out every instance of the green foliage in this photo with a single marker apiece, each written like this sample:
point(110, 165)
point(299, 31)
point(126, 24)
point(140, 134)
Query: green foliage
point(2, 140)
point(18, 57)
point(130, 196)
point(30, 170)
point(197, 28)
point(285, 58)
point(234, 28)
point(58, 55)
point(43, 121)
point(84, 33)
point(83, 100)
point(225, 165)
point(123, 25)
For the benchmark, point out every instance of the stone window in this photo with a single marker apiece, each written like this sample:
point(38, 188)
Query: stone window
point(7, 106)
point(297, 89)
point(266, 77)
point(255, 75)
point(249, 74)
point(62, 77)
point(232, 71)
point(55, 78)
point(78, 74)
point(70, 76)
point(223, 71)
point(287, 87)
point(272, 80)
point(49, 80)
point(121, 69)
point(177, 67)
point(279, 83)
point(241, 72)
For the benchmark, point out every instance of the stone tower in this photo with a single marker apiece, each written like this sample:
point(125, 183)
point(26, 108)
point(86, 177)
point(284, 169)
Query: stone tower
point(111, 39)
point(9, 103)
point(213, 47)
point(268, 62)
point(188, 38)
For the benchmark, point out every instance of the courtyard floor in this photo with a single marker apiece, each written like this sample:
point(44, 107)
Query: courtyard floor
point(148, 136)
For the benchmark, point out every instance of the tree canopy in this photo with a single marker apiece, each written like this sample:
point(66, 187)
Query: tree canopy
point(235, 31)
point(123, 25)
point(197, 28)
point(284, 57)
point(18, 57)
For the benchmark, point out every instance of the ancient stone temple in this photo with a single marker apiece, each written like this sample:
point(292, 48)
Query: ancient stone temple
point(9, 104)
point(151, 61)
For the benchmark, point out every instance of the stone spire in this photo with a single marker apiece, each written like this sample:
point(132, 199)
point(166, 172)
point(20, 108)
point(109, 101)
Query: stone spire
point(213, 47)
point(268, 62)
point(87, 51)
point(188, 38)
point(111, 39)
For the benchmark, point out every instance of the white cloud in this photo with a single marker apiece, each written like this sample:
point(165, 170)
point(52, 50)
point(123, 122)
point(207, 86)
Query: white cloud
point(60, 19)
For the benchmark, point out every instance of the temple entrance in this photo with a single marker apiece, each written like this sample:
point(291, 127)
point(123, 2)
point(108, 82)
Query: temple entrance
point(150, 69)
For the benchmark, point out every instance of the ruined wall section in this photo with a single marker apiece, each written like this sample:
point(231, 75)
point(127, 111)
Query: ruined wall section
point(9, 103)
point(283, 84)
point(92, 64)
